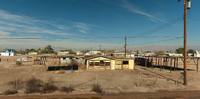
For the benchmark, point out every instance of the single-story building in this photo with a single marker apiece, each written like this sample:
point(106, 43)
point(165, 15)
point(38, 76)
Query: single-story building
point(63, 53)
point(79, 53)
point(32, 53)
point(65, 60)
point(22, 59)
point(93, 53)
point(108, 63)
point(122, 54)
point(7, 52)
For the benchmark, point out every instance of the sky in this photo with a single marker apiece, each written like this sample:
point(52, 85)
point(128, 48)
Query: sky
point(80, 24)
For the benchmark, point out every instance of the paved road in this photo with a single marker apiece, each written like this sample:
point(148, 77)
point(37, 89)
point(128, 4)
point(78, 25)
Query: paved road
point(153, 95)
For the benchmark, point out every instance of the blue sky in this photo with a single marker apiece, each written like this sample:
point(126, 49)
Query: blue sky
point(90, 23)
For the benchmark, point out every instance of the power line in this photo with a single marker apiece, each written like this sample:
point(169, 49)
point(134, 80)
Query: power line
point(164, 40)
point(161, 27)
point(18, 38)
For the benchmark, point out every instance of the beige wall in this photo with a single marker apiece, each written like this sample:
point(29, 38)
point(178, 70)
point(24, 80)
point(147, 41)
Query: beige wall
point(98, 67)
point(115, 64)
point(119, 64)
point(131, 64)
point(112, 65)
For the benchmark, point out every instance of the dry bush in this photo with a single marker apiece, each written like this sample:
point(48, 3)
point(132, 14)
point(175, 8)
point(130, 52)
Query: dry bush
point(19, 63)
point(10, 92)
point(137, 84)
point(148, 83)
point(95, 98)
point(33, 85)
point(49, 87)
point(152, 83)
point(67, 89)
point(97, 88)
point(16, 84)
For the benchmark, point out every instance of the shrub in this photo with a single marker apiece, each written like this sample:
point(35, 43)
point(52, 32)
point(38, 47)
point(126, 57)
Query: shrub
point(18, 63)
point(97, 88)
point(67, 89)
point(33, 85)
point(49, 87)
point(16, 84)
point(10, 92)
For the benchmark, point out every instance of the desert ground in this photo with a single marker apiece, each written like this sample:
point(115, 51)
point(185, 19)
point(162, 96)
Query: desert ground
point(136, 80)
point(143, 80)
point(111, 81)
point(135, 95)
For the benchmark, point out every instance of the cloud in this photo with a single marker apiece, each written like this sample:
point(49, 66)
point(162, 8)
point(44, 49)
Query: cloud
point(49, 32)
point(82, 27)
point(134, 9)
point(21, 25)
point(4, 34)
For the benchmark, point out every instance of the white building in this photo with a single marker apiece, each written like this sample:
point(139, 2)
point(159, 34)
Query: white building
point(7, 52)
point(122, 54)
point(62, 53)
point(32, 53)
point(65, 60)
point(93, 53)
point(79, 53)
point(196, 54)
point(22, 59)
point(174, 55)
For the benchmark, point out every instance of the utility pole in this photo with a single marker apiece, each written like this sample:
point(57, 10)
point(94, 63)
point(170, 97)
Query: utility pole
point(185, 43)
point(99, 47)
point(187, 5)
point(125, 46)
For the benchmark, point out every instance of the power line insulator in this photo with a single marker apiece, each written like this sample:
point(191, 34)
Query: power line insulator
point(189, 4)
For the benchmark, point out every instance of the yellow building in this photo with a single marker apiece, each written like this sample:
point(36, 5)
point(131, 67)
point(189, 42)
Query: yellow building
point(107, 63)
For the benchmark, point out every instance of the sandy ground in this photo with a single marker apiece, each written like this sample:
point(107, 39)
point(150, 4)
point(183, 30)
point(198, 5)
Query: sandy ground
point(142, 79)
point(135, 95)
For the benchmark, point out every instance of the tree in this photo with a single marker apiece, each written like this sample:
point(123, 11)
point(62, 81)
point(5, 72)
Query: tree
point(191, 51)
point(39, 50)
point(69, 50)
point(30, 50)
point(47, 50)
point(180, 50)
point(160, 53)
point(108, 51)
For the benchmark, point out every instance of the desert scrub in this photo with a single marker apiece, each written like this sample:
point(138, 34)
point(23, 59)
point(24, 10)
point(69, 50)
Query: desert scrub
point(97, 88)
point(16, 84)
point(18, 63)
point(10, 92)
point(67, 89)
point(48, 87)
point(33, 85)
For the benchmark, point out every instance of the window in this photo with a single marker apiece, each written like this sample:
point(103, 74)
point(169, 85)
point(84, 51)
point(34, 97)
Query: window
point(125, 62)
point(91, 63)
point(107, 63)
point(96, 63)
point(101, 62)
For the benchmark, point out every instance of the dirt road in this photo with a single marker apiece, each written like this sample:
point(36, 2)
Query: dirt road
point(137, 95)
